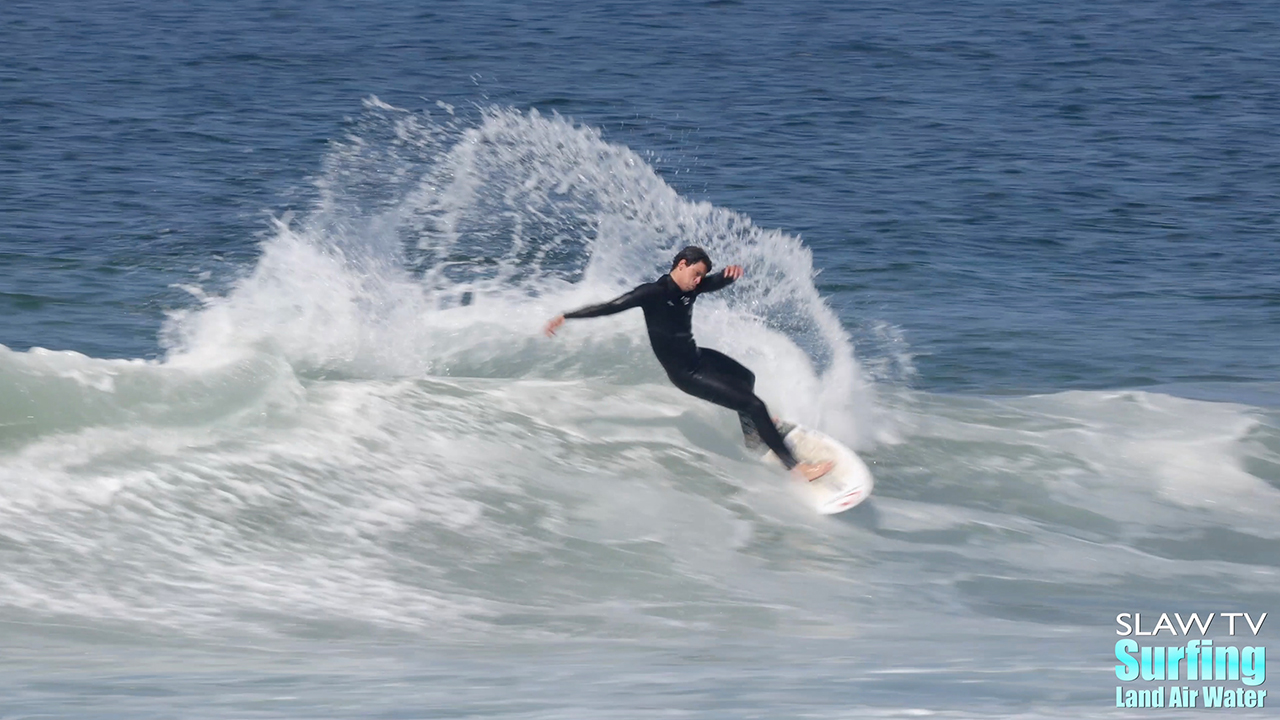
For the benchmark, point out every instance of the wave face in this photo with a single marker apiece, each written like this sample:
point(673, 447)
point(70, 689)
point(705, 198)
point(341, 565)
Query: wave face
point(370, 426)
point(368, 437)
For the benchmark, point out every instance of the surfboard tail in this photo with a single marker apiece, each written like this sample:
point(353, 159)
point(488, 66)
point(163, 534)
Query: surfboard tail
point(845, 486)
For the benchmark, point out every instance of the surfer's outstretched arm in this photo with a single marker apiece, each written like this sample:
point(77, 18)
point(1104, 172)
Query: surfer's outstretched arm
point(724, 278)
point(625, 301)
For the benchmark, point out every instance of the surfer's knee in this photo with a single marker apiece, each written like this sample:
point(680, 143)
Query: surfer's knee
point(756, 407)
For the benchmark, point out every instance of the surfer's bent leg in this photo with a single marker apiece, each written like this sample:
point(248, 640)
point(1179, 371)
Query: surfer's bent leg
point(713, 362)
point(726, 393)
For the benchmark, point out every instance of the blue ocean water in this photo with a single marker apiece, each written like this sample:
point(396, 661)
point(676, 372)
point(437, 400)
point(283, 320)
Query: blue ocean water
point(279, 434)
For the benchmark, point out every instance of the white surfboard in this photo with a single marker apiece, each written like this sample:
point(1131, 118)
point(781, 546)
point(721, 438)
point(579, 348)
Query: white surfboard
point(849, 481)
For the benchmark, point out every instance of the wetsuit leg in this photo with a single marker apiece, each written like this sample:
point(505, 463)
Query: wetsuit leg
point(713, 362)
point(729, 391)
point(717, 363)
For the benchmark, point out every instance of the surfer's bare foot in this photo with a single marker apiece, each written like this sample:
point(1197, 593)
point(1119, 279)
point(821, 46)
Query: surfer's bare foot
point(812, 471)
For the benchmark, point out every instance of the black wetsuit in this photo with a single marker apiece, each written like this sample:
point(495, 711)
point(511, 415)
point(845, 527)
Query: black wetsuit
point(701, 372)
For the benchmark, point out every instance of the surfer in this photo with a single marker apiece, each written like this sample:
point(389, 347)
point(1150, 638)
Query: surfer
point(701, 372)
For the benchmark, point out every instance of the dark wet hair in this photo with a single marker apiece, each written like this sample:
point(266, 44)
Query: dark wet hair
point(692, 255)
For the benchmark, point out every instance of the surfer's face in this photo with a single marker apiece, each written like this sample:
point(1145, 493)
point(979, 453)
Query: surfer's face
point(688, 276)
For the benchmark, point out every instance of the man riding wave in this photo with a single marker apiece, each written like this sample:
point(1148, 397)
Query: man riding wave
point(701, 372)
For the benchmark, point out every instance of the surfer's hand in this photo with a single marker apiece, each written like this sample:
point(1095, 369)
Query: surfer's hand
point(733, 272)
point(552, 326)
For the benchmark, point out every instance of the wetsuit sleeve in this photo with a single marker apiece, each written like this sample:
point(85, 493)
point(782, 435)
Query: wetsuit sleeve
point(626, 301)
point(712, 283)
